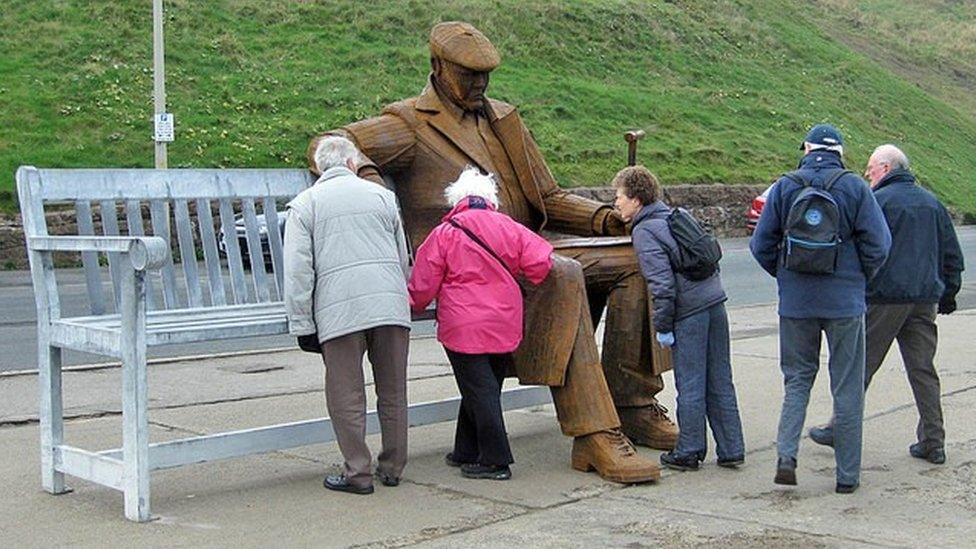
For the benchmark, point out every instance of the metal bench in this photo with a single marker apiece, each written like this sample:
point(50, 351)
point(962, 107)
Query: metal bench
point(156, 299)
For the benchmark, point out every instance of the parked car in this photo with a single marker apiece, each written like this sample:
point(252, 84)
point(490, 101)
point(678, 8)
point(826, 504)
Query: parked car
point(241, 230)
point(755, 210)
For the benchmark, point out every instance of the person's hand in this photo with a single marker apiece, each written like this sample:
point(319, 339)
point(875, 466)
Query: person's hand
point(947, 305)
point(666, 339)
point(309, 343)
point(614, 225)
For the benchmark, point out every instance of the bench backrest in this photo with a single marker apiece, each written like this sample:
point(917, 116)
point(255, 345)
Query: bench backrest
point(193, 205)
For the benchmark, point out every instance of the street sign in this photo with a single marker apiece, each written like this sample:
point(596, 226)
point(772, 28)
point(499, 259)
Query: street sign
point(163, 127)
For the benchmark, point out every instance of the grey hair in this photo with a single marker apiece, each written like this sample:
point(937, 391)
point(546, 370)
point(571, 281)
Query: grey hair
point(472, 182)
point(333, 151)
point(891, 155)
point(839, 149)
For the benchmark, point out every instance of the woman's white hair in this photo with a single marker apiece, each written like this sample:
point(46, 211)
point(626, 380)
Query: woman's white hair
point(472, 182)
point(333, 150)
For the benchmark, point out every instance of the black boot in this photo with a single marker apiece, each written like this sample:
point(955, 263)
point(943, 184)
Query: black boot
point(490, 472)
point(785, 471)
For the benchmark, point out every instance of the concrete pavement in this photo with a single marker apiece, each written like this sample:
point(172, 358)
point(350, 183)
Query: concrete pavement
point(278, 499)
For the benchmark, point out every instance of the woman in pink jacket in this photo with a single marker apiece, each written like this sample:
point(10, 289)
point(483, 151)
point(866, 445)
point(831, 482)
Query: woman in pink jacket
point(469, 263)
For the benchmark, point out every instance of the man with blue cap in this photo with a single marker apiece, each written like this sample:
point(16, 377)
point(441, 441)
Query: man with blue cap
point(822, 236)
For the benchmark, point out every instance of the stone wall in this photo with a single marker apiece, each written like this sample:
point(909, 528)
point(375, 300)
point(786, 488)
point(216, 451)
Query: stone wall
point(720, 207)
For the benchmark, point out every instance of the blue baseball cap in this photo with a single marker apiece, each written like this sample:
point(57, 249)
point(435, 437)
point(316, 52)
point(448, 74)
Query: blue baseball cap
point(825, 135)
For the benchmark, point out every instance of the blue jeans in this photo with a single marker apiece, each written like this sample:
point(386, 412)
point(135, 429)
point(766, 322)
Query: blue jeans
point(799, 344)
point(703, 377)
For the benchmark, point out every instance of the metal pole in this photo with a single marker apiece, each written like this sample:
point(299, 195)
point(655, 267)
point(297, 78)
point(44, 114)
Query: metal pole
point(159, 77)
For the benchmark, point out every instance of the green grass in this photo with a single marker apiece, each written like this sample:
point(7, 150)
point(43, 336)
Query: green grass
point(725, 89)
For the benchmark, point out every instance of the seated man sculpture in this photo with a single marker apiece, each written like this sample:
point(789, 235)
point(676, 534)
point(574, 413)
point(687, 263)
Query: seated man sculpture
point(421, 144)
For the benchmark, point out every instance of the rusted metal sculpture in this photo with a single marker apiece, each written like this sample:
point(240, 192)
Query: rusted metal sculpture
point(420, 144)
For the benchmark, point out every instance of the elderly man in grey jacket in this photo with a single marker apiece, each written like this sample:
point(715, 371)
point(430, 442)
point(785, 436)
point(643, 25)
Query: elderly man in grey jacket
point(345, 289)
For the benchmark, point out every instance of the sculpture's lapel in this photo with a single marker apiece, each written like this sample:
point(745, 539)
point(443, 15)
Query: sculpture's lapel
point(448, 126)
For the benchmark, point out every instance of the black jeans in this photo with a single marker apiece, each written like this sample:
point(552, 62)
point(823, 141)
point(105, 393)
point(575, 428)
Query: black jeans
point(480, 436)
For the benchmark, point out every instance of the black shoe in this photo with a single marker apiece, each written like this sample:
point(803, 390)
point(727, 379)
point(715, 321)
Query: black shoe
point(340, 483)
point(679, 463)
point(387, 479)
point(785, 471)
point(490, 472)
point(823, 436)
point(731, 463)
point(846, 488)
point(929, 454)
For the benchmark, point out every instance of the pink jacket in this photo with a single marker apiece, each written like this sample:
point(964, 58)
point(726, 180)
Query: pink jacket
point(479, 305)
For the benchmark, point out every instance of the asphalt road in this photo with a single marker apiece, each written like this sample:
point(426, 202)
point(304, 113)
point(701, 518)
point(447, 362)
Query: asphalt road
point(745, 283)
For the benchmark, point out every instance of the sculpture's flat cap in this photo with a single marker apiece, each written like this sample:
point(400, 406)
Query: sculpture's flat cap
point(461, 43)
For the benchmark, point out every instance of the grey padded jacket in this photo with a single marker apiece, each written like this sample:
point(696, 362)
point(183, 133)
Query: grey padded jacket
point(345, 258)
point(675, 297)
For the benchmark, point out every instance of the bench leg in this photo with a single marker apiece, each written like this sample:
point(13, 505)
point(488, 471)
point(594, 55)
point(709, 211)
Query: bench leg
point(135, 394)
point(51, 415)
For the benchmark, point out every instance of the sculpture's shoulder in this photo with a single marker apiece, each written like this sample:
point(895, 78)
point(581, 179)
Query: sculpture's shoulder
point(405, 109)
point(501, 108)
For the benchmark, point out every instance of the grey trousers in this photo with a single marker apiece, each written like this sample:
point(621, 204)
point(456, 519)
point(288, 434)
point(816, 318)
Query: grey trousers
point(799, 343)
point(345, 397)
point(913, 325)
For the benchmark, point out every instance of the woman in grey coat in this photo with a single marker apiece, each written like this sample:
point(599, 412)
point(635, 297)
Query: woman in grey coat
point(689, 317)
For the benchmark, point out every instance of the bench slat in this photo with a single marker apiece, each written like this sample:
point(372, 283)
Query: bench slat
point(133, 219)
point(160, 226)
point(255, 251)
point(234, 264)
point(270, 211)
point(188, 253)
point(89, 260)
point(110, 227)
point(211, 255)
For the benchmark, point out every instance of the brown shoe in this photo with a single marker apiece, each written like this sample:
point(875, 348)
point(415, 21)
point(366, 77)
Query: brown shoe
point(613, 457)
point(649, 426)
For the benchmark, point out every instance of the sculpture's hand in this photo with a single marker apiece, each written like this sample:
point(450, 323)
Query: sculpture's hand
point(614, 225)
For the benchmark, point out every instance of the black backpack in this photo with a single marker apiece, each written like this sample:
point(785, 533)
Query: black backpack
point(811, 235)
point(698, 250)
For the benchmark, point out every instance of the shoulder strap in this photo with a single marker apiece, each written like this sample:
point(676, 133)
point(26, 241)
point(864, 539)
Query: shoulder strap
point(796, 178)
point(830, 182)
point(481, 243)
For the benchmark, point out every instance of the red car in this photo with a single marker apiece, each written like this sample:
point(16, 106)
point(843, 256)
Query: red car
point(755, 210)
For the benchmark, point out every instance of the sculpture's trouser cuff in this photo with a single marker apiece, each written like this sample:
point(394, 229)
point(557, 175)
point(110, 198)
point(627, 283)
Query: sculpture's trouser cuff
point(614, 282)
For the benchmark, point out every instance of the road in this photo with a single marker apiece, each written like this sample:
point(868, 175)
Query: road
point(745, 283)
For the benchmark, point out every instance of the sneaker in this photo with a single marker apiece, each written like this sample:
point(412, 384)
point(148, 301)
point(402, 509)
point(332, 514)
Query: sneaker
point(731, 463)
point(340, 483)
point(823, 436)
point(489, 472)
point(932, 455)
point(387, 479)
point(674, 461)
point(451, 462)
point(785, 471)
point(846, 488)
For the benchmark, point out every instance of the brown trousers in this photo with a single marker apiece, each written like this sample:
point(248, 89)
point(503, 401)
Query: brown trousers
point(345, 397)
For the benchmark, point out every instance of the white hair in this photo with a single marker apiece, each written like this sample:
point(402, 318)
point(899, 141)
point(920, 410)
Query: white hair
point(839, 149)
point(472, 182)
point(333, 150)
point(891, 155)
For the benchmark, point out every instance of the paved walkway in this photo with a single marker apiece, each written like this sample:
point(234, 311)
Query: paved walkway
point(278, 499)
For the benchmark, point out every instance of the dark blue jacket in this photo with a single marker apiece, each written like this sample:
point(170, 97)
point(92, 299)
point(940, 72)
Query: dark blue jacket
point(925, 260)
point(864, 243)
point(675, 296)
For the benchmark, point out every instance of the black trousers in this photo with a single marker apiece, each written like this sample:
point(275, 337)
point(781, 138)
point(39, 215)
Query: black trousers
point(480, 436)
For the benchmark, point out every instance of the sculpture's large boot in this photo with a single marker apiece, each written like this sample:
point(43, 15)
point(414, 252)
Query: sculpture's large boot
point(649, 426)
point(613, 457)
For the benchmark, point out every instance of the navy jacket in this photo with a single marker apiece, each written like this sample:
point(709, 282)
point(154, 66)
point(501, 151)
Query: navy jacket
point(675, 297)
point(925, 262)
point(865, 241)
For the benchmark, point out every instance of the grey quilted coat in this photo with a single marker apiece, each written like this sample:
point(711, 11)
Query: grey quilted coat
point(345, 258)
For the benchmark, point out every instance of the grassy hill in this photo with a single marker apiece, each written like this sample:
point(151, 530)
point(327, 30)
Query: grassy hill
point(724, 89)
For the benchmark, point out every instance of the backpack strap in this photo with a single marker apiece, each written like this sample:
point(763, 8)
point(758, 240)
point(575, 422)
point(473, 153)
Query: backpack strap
point(833, 179)
point(797, 178)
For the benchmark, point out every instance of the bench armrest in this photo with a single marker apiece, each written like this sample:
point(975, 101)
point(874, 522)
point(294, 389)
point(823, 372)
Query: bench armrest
point(145, 252)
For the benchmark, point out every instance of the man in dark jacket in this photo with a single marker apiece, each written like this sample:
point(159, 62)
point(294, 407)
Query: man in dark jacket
point(811, 304)
point(922, 276)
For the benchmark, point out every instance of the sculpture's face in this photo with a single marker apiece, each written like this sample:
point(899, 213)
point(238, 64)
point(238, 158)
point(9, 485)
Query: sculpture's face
point(626, 206)
point(465, 87)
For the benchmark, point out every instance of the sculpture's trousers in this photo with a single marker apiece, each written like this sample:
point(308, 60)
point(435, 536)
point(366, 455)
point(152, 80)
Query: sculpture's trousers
point(614, 283)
